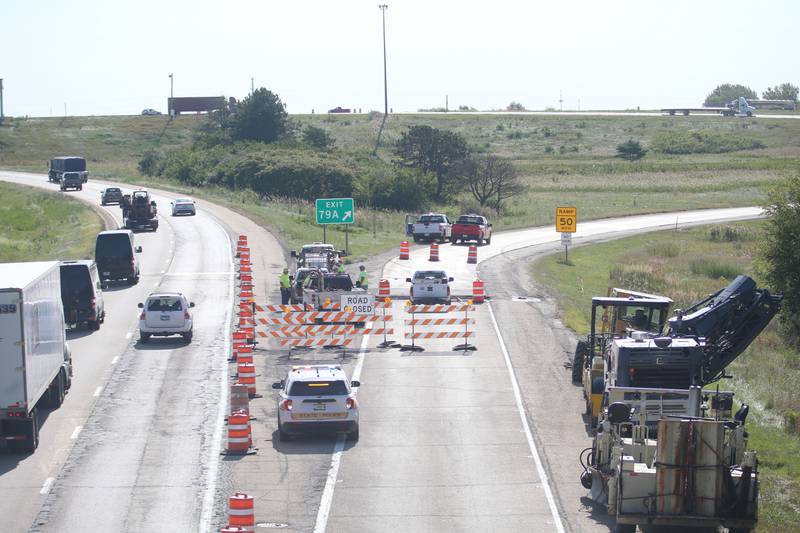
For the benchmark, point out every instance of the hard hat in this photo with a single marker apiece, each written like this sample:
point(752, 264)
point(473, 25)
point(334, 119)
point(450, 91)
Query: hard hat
point(285, 270)
point(362, 267)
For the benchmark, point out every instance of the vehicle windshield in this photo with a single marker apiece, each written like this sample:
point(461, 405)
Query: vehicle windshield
point(431, 218)
point(183, 201)
point(338, 283)
point(470, 220)
point(112, 190)
point(318, 388)
point(429, 274)
point(72, 175)
point(317, 249)
point(116, 246)
point(165, 303)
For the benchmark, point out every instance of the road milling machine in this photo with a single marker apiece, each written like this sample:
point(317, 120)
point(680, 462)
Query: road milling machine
point(666, 452)
point(139, 211)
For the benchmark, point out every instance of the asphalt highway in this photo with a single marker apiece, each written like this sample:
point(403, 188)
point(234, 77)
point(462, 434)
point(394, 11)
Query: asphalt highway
point(484, 440)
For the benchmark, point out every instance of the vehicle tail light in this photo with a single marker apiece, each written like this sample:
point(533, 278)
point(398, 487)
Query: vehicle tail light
point(186, 315)
point(142, 316)
point(133, 265)
point(351, 403)
point(94, 304)
point(286, 405)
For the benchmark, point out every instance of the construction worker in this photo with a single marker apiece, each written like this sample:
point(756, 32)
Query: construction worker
point(286, 286)
point(362, 282)
point(340, 268)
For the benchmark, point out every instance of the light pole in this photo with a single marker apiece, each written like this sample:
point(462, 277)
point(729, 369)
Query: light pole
point(171, 109)
point(383, 8)
point(252, 86)
point(2, 116)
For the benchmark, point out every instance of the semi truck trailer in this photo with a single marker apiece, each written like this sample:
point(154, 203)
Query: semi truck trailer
point(35, 360)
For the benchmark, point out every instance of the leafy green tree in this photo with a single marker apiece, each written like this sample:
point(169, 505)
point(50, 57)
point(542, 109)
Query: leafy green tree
point(778, 258)
point(727, 92)
point(785, 91)
point(318, 138)
point(261, 116)
point(440, 152)
point(515, 106)
point(631, 150)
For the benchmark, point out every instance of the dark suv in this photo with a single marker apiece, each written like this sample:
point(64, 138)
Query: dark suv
point(110, 195)
point(116, 256)
point(71, 180)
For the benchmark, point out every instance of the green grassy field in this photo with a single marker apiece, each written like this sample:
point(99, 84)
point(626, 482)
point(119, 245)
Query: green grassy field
point(687, 265)
point(42, 226)
point(563, 160)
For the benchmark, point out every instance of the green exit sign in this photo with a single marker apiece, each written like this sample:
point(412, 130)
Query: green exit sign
point(335, 211)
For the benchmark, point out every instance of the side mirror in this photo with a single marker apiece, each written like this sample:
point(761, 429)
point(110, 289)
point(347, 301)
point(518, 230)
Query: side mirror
point(138, 249)
point(153, 203)
point(140, 305)
point(408, 280)
point(450, 279)
point(489, 225)
point(293, 253)
point(355, 383)
point(191, 304)
point(278, 385)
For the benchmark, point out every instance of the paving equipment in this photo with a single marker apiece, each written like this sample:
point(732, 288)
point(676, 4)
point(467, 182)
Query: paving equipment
point(139, 211)
point(36, 364)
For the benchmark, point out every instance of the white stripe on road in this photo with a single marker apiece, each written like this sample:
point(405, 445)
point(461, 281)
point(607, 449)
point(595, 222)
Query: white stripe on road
point(336, 459)
point(116, 357)
point(76, 432)
point(548, 493)
point(207, 510)
point(48, 483)
point(97, 391)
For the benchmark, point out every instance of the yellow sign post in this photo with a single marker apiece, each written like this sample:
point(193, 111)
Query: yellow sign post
point(566, 219)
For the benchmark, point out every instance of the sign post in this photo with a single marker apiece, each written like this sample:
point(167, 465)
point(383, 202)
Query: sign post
point(566, 224)
point(336, 211)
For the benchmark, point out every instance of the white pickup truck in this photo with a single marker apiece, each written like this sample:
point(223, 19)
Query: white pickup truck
point(432, 227)
point(430, 286)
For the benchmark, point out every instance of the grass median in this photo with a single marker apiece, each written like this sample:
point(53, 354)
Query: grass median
point(38, 225)
point(687, 265)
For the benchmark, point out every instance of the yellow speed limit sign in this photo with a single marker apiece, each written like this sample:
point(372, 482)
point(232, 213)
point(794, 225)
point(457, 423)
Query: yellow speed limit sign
point(566, 219)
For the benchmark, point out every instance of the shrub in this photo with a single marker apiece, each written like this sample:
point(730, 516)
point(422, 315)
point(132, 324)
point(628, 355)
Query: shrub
point(638, 277)
point(631, 150)
point(664, 249)
point(396, 188)
point(714, 270)
point(730, 234)
point(792, 422)
point(702, 142)
point(152, 163)
point(318, 138)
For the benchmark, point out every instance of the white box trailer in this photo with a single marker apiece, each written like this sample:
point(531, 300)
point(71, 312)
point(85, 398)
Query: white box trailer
point(35, 361)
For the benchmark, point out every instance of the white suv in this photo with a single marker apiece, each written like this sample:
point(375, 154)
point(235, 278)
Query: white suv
point(165, 313)
point(317, 398)
point(430, 286)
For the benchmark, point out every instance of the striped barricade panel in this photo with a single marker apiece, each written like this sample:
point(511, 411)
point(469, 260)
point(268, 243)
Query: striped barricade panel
point(440, 335)
point(335, 341)
point(287, 308)
point(439, 321)
point(439, 308)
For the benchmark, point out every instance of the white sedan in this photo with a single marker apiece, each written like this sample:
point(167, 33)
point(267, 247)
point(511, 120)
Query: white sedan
point(164, 314)
point(183, 206)
point(430, 286)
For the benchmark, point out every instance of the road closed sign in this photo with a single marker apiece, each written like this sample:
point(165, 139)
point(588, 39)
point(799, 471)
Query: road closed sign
point(566, 219)
point(359, 303)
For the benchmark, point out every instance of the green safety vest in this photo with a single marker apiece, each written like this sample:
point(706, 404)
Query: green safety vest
point(286, 283)
point(362, 277)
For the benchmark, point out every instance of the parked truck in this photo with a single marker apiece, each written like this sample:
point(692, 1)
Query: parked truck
point(35, 361)
point(432, 227)
point(471, 228)
point(139, 211)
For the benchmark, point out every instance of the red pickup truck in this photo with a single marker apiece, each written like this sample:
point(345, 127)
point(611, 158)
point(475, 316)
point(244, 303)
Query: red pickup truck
point(471, 227)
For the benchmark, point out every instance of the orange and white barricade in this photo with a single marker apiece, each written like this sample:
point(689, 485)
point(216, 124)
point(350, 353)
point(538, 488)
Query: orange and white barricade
point(241, 513)
point(383, 289)
point(240, 398)
point(404, 251)
point(478, 291)
point(246, 375)
point(434, 252)
point(240, 439)
point(427, 322)
point(472, 255)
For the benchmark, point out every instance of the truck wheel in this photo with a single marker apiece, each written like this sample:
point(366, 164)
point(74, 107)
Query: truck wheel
point(93, 325)
point(135, 279)
point(577, 361)
point(282, 435)
point(187, 337)
point(489, 239)
point(480, 240)
point(353, 435)
point(144, 337)
point(56, 392)
point(80, 187)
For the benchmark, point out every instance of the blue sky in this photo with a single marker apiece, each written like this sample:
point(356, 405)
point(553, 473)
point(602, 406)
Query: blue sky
point(114, 57)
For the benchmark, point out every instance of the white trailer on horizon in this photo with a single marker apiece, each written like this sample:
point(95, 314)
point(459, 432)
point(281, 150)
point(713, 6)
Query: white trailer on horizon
point(35, 360)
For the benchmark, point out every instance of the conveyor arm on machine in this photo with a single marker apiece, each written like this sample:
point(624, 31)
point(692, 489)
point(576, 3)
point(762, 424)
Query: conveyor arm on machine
point(729, 320)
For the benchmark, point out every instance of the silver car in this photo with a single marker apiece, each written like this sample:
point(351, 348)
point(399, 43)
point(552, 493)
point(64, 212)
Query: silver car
point(183, 206)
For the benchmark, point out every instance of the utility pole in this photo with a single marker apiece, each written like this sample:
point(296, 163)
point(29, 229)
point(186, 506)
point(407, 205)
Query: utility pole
point(446, 103)
point(2, 116)
point(560, 101)
point(252, 86)
point(171, 109)
point(383, 8)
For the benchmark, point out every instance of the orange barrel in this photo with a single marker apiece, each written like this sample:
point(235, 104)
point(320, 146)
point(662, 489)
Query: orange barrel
point(247, 376)
point(240, 398)
point(245, 296)
point(434, 252)
point(245, 309)
point(478, 293)
point(383, 288)
point(242, 238)
point(246, 285)
point(244, 354)
point(404, 250)
point(250, 334)
point(240, 511)
point(244, 259)
point(472, 255)
point(245, 269)
point(247, 276)
point(239, 336)
point(244, 321)
point(239, 438)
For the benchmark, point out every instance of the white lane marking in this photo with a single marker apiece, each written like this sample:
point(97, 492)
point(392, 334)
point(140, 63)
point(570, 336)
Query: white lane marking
point(97, 391)
point(48, 483)
point(76, 432)
point(548, 493)
point(162, 272)
point(116, 357)
point(336, 458)
point(207, 511)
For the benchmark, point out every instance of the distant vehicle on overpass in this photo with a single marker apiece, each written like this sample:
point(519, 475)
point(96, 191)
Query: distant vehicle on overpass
point(197, 104)
point(737, 108)
point(339, 109)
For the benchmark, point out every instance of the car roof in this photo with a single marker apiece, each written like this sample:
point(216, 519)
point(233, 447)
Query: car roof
point(85, 262)
point(316, 372)
point(182, 200)
point(165, 295)
point(116, 232)
point(442, 272)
